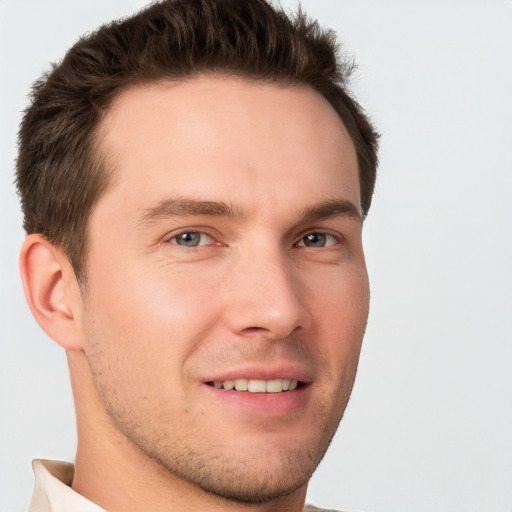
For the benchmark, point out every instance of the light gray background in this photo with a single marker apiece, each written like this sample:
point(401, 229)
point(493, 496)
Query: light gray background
point(429, 426)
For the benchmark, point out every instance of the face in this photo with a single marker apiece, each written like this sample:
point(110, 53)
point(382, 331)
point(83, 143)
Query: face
point(227, 293)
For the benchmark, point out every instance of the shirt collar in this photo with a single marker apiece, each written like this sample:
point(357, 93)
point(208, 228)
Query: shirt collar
point(53, 491)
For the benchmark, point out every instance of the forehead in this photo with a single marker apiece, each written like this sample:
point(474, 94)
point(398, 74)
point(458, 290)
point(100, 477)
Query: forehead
point(225, 138)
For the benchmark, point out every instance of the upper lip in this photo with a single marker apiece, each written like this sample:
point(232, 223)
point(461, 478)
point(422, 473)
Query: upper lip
point(292, 371)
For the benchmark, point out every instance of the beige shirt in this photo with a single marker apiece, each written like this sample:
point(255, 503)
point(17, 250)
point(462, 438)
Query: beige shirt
point(53, 493)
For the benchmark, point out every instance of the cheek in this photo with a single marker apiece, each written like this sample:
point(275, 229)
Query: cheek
point(145, 325)
point(340, 311)
point(140, 334)
point(138, 298)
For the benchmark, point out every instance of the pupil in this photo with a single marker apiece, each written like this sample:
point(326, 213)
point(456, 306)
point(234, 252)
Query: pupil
point(189, 239)
point(315, 240)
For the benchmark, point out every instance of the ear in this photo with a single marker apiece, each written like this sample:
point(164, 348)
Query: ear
point(51, 290)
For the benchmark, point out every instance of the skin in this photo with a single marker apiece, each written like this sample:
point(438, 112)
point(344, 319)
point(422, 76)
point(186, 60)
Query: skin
point(256, 297)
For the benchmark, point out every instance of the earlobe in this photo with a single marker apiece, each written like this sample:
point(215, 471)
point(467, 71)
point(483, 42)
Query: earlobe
point(51, 290)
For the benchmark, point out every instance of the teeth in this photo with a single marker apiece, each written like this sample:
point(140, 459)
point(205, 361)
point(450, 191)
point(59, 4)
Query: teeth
point(274, 386)
point(257, 386)
point(241, 384)
point(229, 384)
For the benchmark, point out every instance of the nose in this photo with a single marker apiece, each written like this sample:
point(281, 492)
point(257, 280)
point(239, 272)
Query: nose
point(266, 296)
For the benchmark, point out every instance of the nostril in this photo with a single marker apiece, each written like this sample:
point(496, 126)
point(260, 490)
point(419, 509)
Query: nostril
point(255, 329)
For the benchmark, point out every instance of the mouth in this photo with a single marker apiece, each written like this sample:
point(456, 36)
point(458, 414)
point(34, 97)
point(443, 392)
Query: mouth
point(257, 385)
point(276, 393)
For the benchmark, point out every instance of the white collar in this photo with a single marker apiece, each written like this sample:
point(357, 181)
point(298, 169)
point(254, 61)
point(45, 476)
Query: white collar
point(52, 491)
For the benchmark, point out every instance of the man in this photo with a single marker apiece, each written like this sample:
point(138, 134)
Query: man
point(194, 181)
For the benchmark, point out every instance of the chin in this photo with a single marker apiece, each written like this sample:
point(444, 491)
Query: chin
point(249, 481)
point(250, 476)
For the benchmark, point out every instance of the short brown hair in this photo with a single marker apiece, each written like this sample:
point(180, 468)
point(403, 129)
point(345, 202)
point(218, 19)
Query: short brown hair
point(59, 172)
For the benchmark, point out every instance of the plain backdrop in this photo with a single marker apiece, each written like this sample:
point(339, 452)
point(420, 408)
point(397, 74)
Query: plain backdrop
point(429, 425)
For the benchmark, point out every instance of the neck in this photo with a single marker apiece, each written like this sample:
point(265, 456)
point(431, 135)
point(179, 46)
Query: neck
point(114, 473)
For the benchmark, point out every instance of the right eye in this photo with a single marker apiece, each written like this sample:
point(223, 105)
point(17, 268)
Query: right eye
point(191, 239)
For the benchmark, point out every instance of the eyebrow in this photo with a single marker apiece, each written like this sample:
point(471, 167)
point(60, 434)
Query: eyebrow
point(169, 208)
point(332, 208)
point(182, 207)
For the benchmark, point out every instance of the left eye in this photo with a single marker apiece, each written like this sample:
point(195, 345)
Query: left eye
point(191, 239)
point(317, 240)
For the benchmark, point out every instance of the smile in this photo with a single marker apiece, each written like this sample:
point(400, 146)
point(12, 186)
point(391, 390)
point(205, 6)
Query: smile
point(256, 386)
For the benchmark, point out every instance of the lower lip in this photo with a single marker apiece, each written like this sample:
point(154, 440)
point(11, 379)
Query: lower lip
point(264, 404)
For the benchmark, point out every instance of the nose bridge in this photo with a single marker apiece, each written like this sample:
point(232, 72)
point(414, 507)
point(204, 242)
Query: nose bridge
point(266, 292)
